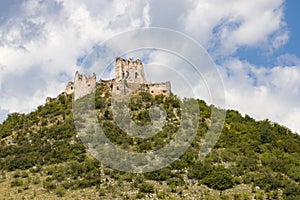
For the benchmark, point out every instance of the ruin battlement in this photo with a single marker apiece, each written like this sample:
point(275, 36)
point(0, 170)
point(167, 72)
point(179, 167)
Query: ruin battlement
point(130, 77)
point(130, 70)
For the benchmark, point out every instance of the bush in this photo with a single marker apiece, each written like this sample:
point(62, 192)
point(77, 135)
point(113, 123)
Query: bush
point(175, 181)
point(36, 180)
point(219, 180)
point(47, 184)
point(292, 191)
point(161, 195)
point(60, 191)
point(102, 192)
point(159, 175)
point(199, 170)
point(268, 180)
point(146, 188)
point(16, 182)
point(139, 195)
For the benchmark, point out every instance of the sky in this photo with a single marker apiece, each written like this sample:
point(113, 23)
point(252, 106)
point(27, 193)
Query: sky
point(255, 45)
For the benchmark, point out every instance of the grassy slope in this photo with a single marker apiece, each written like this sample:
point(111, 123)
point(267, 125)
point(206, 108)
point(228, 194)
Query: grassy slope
point(41, 157)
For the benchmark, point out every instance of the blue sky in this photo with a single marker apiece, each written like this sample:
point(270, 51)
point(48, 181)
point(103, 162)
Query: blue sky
point(292, 18)
point(254, 43)
point(257, 56)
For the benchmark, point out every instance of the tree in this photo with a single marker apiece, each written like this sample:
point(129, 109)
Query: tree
point(219, 179)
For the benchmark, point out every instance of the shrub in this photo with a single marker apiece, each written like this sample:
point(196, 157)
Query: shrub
point(175, 181)
point(139, 195)
point(102, 192)
point(16, 182)
point(48, 184)
point(219, 180)
point(60, 191)
point(199, 170)
point(161, 195)
point(292, 191)
point(36, 180)
point(146, 188)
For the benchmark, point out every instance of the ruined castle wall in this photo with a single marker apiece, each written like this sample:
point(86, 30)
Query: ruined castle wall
point(84, 85)
point(129, 70)
point(125, 88)
point(69, 88)
point(119, 68)
point(130, 78)
point(158, 88)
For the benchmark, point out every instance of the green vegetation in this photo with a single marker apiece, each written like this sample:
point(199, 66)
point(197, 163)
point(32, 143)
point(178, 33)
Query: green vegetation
point(42, 158)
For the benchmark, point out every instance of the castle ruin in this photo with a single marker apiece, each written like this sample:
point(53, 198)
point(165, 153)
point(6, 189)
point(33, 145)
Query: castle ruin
point(83, 84)
point(130, 77)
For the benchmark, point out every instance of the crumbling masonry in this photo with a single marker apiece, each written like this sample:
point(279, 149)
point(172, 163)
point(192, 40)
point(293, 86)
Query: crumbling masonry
point(130, 77)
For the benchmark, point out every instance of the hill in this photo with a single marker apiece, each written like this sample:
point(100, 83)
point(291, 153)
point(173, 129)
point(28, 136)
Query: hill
point(42, 157)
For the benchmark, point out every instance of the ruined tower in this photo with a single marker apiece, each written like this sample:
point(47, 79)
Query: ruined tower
point(84, 85)
point(129, 70)
point(130, 77)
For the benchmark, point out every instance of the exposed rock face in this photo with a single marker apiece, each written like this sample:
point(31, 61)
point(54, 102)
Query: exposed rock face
point(130, 77)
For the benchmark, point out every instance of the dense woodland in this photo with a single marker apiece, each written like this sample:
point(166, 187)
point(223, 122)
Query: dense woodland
point(40, 154)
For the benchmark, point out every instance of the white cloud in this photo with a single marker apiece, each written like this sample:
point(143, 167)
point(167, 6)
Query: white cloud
point(50, 36)
point(228, 25)
point(287, 60)
point(272, 93)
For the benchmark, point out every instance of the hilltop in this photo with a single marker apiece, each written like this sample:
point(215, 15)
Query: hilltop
point(42, 157)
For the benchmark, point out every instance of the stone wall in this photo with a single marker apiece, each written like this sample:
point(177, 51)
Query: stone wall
point(129, 70)
point(84, 85)
point(157, 88)
point(130, 78)
point(69, 88)
point(125, 88)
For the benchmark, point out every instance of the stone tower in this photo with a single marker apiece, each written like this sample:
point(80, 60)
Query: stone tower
point(130, 78)
point(84, 85)
point(129, 70)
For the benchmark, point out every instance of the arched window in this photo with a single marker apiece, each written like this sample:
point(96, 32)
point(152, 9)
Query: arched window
point(136, 75)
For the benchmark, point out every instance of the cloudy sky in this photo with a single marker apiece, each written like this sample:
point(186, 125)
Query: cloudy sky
point(255, 45)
